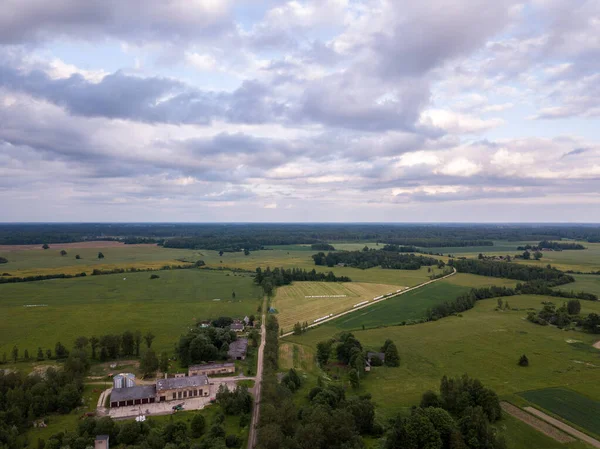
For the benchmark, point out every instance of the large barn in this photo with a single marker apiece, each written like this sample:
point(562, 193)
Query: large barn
point(182, 388)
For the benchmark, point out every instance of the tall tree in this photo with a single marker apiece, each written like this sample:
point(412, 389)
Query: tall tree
point(163, 364)
point(149, 363)
point(137, 339)
point(94, 344)
point(127, 343)
point(149, 338)
point(100, 256)
point(63, 252)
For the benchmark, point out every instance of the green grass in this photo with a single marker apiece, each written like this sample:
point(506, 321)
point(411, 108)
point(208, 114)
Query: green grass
point(569, 405)
point(39, 261)
point(482, 343)
point(96, 305)
point(578, 260)
point(520, 435)
point(589, 283)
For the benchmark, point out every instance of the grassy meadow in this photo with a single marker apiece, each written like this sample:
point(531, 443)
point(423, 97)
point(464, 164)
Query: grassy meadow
point(30, 262)
point(483, 343)
point(294, 304)
point(115, 303)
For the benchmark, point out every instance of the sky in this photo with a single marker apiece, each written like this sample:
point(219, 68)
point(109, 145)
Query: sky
point(303, 110)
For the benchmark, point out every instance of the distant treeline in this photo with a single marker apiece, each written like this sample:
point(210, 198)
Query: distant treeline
point(438, 242)
point(374, 258)
point(556, 246)
point(222, 237)
point(509, 270)
point(322, 247)
point(269, 279)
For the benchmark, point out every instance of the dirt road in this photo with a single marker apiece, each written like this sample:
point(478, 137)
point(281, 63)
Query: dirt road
point(370, 303)
point(536, 423)
point(258, 378)
point(562, 426)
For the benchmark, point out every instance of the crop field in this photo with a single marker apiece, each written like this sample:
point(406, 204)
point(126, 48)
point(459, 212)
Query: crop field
point(569, 405)
point(307, 301)
point(414, 304)
point(68, 308)
point(520, 435)
point(28, 262)
point(296, 356)
point(483, 343)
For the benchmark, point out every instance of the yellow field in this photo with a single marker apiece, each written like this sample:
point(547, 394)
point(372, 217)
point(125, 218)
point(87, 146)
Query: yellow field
point(294, 304)
point(296, 356)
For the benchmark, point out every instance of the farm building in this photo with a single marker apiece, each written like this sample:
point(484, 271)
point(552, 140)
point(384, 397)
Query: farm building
point(237, 327)
point(101, 442)
point(237, 349)
point(124, 380)
point(378, 355)
point(182, 388)
point(142, 394)
point(211, 369)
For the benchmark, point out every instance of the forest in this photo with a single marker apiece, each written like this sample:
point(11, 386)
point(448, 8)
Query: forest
point(369, 258)
point(230, 236)
point(555, 246)
point(509, 270)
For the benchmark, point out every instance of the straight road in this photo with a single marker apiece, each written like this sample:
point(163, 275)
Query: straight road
point(258, 379)
point(370, 303)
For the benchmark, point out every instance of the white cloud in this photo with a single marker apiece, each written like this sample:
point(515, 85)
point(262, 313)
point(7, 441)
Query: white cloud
point(460, 167)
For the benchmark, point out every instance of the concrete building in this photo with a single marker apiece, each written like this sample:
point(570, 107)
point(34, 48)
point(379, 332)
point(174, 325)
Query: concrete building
point(182, 388)
point(142, 394)
point(238, 349)
point(101, 442)
point(211, 369)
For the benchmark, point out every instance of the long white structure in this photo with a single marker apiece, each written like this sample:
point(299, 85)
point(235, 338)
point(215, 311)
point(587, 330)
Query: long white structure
point(360, 304)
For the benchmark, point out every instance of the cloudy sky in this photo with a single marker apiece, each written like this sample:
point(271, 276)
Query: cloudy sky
point(304, 110)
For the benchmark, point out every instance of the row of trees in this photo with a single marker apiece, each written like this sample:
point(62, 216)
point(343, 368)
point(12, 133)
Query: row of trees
point(509, 270)
point(373, 258)
point(269, 279)
point(322, 247)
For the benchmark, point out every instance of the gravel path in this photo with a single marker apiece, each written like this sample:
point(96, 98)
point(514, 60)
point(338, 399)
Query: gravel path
point(561, 425)
point(258, 379)
point(536, 423)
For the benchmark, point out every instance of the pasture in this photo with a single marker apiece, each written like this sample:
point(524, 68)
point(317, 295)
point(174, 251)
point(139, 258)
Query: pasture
point(483, 343)
point(569, 405)
point(115, 303)
point(585, 260)
point(583, 282)
point(307, 301)
point(35, 260)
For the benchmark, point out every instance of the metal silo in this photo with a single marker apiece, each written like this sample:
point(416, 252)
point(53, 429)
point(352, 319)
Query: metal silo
point(118, 381)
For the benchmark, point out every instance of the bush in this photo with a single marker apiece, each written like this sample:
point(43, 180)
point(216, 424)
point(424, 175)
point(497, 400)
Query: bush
point(232, 441)
point(154, 276)
point(523, 360)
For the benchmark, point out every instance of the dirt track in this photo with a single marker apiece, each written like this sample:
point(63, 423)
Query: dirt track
point(561, 425)
point(597, 344)
point(90, 244)
point(536, 423)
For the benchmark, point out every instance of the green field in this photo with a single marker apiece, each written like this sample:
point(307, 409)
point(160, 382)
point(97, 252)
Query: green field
point(294, 302)
point(589, 283)
point(114, 303)
point(483, 343)
point(569, 405)
point(585, 260)
point(414, 304)
point(38, 261)
point(520, 435)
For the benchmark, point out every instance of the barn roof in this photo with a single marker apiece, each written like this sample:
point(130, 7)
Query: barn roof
point(238, 348)
point(181, 382)
point(132, 393)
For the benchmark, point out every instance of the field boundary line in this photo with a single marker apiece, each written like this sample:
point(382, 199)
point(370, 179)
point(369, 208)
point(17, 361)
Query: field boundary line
point(538, 424)
point(563, 426)
point(370, 303)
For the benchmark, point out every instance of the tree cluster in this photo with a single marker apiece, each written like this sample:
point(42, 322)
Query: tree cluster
point(565, 316)
point(556, 246)
point(458, 418)
point(149, 434)
point(3, 260)
point(236, 402)
point(509, 270)
point(26, 398)
point(373, 258)
point(204, 345)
